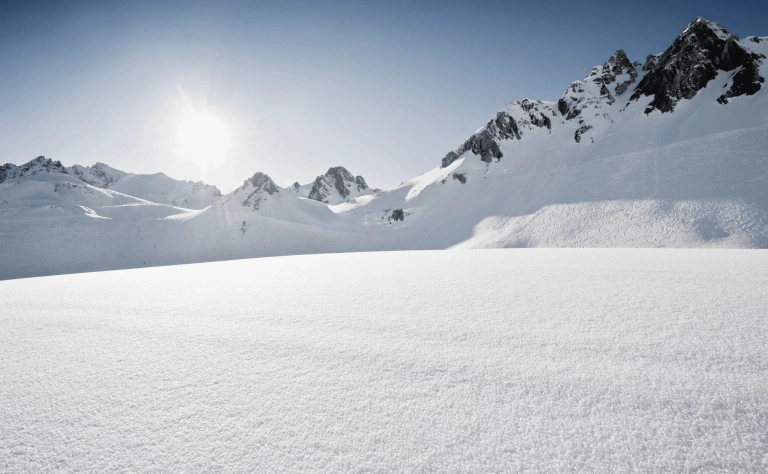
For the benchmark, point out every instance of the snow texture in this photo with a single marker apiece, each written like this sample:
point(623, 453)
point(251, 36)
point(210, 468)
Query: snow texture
point(547, 360)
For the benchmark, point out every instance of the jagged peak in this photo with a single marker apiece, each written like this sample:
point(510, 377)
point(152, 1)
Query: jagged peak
point(258, 179)
point(261, 183)
point(31, 168)
point(340, 172)
point(360, 181)
point(41, 162)
point(619, 57)
point(338, 178)
point(695, 57)
point(700, 24)
point(650, 62)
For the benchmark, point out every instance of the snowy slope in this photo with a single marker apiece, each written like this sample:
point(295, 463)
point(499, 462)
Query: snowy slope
point(540, 360)
point(51, 222)
point(156, 187)
point(603, 166)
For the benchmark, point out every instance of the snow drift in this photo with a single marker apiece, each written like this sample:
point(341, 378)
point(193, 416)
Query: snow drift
point(541, 360)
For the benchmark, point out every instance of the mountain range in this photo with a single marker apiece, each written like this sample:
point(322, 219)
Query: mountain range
point(668, 152)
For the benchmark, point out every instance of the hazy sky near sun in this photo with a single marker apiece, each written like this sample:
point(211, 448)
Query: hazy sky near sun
point(384, 88)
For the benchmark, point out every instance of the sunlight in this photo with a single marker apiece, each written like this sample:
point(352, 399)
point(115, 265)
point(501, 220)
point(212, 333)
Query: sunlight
point(203, 138)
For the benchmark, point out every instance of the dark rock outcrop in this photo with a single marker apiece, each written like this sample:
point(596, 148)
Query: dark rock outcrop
point(614, 78)
point(650, 62)
point(361, 182)
point(581, 130)
point(337, 178)
point(702, 50)
point(31, 168)
point(531, 114)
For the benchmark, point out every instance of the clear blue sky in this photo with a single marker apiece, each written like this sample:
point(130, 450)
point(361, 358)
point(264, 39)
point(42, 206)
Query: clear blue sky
point(383, 88)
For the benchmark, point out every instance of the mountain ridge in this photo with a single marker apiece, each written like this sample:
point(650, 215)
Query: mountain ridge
point(667, 153)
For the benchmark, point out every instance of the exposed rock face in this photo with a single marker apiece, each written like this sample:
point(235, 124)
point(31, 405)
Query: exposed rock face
point(698, 54)
point(99, 175)
point(581, 130)
point(258, 186)
point(602, 86)
point(702, 50)
point(508, 124)
point(460, 177)
point(337, 184)
point(5, 171)
point(650, 62)
point(746, 82)
point(38, 165)
point(397, 215)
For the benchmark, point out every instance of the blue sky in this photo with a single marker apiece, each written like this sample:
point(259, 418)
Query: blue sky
point(383, 88)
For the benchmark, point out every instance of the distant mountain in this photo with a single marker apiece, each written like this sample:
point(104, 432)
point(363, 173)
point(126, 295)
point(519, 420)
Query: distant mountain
point(39, 165)
point(671, 152)
point(156, 187)
point(336, 186)
point(43, 182)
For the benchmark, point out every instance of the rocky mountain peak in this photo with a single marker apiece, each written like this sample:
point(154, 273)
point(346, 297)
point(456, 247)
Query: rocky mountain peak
point(42, 163)
point(701, 26)
point(340, 172)
point(337, 184)
point(509, 124)
point(259, 187)
point(31, 168)
point(603, 85)
point(361, 182)
point(99, 175)
point(650, 62)
point(620, 70)
point(697, 55)
point(262, 183)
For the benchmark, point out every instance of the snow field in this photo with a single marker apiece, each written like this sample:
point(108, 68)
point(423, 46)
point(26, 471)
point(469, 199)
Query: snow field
point(483, 360)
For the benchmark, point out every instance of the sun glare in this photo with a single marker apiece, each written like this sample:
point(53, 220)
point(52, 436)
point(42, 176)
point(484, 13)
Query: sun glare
point(203, 138)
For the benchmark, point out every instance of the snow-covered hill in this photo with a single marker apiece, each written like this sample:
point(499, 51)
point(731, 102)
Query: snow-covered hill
point(156, 187)
point(529, 360)
point(672, 152)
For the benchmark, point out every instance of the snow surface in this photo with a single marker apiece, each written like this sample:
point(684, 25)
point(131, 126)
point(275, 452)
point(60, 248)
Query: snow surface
point(542, 360)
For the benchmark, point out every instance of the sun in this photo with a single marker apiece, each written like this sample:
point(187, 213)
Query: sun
point(203, 138)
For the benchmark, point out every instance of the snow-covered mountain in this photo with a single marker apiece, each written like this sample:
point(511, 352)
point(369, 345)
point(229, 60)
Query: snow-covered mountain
point(336, 186)
point(44, 182)
point(156, 187)
point(672, 152)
